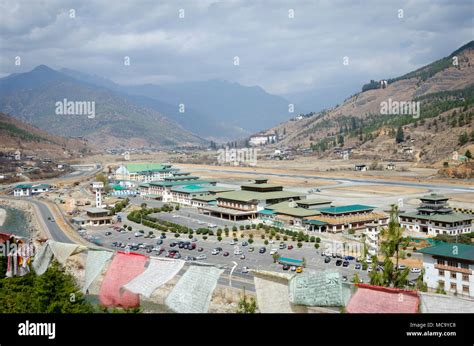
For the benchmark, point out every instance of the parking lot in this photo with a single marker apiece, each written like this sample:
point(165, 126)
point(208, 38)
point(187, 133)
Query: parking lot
point(253, 259)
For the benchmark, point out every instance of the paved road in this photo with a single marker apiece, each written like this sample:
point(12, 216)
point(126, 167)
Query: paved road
point(55, 231)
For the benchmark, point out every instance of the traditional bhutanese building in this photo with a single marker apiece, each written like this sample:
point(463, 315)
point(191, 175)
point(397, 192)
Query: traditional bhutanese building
point(246, 203)
point(145, 172)
point(344, 218)
point(434, 216)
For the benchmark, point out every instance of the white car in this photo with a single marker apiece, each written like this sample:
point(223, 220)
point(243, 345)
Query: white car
point(174, 215)
point(415, 270)
point(233, 242)
point(237, 252)
point(156, 248)
point(273, 251)
point(245, 270)
point(141, 246)
point(401, 266)
point(293, 268)
point(211, 225)
point(271, 241)
point(368, 260)
point(201, 257)
point(215, 252)
point(138, 234)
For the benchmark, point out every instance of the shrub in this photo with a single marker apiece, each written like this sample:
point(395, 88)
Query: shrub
point(190, 236)
point(285, 237)
point(176, 235)
point(234, 229)
point(316, 245)
point(204, 237)
point(318, 240)
point(219, 238)
point(266, 242)
point(250, 241)
point(299, 244)
point(312, 239)
point(129, 228)
point(247, 226)
point(241, 227)
point(241, 235)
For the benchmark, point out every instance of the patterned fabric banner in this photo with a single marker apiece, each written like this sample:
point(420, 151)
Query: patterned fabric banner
point(95, 263)
point(316, 289)
point(193, 292)
point(159, 272)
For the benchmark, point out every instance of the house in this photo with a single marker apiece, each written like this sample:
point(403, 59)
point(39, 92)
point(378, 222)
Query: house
point(434, 216)
point(391, 166)
point(262, 139)
point(361, 168)
point(351, 217)
point(449, 266)
point(98, 216)
point(286, 213)
point(30, 189)
point(246, 203)
point(144, 172)
point(167, 192)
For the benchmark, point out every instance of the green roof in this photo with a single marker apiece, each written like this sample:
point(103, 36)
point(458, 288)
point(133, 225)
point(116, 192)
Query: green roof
point(284, 208)
point(451, 217)
point(182, 182)
point(205, 198)
point(149, 167)
point(434, 197)
point(346, 209)
point(262, 185)
point(313, 201)
point(118, 187)
point(266, 212)
point(144, 185)
point(246, 196)
point(23, 186)
point(315, 222)
point(451, 250)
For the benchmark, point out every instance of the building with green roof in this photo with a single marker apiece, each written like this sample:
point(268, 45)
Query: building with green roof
point(249, 200)
point(449, 266)
point(25, 190)
point(144, 172)
point(434, 216)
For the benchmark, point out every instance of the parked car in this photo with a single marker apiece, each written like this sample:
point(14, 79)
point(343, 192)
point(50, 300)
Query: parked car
point(282, 246)
point(242, 257)
point(415, 270)
point(345, 263)
point(162, 236)
point(215, 252)
point(138, 234)
point(401, 266)
point(273, 251)
point(244, 243)
point(286, 267)
point(173, 244)
point(339, 255)
point(200, 249)
point(327, 259)
point(250, 249)
point(201, 257)
point(338, 262)
point(344, 278)
point(177, 255)
point(245, 270)
point(358, 266)
point(159, 242)
point(233, 242)
point(108, 233)
point(349, 258)
point(262, 250)
point(293, 268)
point(225, 254)
point(237, 252)
point(211, 225)
point(299, 269)
point(290, 247)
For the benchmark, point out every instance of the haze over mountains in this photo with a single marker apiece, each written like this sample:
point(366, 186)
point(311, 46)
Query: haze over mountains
point(142, 115)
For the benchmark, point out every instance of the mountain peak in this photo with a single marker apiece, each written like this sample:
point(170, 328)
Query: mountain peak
point(43, 68)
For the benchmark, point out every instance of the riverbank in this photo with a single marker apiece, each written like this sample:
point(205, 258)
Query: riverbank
point(3, 216)
point(18, 218)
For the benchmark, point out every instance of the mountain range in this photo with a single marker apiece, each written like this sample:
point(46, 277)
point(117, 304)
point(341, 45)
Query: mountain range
point(445, 92)
point(181, 114)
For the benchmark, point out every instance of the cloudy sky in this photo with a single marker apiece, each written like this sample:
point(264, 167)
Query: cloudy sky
point(282, 53)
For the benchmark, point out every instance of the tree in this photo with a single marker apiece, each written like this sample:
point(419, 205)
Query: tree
point(463, 138)
point(400, 137)
point(276, 257)
point(53, 292)
point(246, 307)
point(468, 154)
